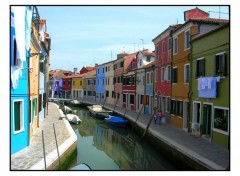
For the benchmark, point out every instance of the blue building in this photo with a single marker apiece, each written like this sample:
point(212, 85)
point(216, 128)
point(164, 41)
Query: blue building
point(148, 101)
point(19, 101)
point(100, 83)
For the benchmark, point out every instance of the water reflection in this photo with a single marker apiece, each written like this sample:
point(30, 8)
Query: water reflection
point(104, 147)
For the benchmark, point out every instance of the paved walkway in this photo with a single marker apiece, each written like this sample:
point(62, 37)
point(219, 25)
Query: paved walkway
point(30, 157)
point(201, 150)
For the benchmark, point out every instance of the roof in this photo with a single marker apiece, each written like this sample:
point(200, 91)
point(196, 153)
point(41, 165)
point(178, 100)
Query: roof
point(89, 68)
point(208, 20)
point(146, 53)
point(58, 73)
point(212, 31)
point(128, 60)
point(149, 65)
point(204, 20)
point(171, 27)
point(90, 73)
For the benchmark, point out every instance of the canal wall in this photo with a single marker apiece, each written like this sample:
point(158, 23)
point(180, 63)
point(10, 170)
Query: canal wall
point(187, 151)
point(67, 150)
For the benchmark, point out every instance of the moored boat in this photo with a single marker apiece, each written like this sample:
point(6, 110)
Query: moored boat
point(82, 166)
point(116, 121)
point(98, 111)
point(73, 118)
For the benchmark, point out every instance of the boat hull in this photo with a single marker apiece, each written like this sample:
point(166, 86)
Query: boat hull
point(116, 121)
point(99, 113)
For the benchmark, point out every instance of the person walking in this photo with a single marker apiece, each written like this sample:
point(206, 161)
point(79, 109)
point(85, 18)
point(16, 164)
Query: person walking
point(159, 115)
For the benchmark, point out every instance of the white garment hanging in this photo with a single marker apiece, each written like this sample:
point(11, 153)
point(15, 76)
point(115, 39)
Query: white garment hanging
point(19, 20)
point(16, 73)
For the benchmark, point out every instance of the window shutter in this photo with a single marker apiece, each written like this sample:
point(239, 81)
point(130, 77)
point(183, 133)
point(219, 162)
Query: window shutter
point(203, 67)
point(224, 64)
point(216, 64)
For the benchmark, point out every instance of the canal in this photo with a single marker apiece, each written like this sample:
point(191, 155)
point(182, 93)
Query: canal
point(104, 147)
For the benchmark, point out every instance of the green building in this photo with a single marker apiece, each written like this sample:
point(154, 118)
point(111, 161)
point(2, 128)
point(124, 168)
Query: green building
point(210, 82)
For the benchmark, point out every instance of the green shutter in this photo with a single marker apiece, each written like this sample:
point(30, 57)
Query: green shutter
point(17, 116)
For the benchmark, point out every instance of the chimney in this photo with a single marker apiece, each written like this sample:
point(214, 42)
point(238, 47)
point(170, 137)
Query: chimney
point(74, 70)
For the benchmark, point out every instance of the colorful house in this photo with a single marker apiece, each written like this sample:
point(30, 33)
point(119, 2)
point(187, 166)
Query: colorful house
point(19, 101)
point(66, 86)
point(149, 91)
point(89, 87)
point(44, 39)
point(75, 92)
point(197, 23)
point(163, 59)
point(109, 86)
point(210, 77)
point(118, 66)
point(143, 58)
point(100, 83)
point(129, 82)
point(34, 61)
point(55, 82)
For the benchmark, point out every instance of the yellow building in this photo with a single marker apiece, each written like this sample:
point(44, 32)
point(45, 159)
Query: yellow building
point(34, 80)
point(77, 84)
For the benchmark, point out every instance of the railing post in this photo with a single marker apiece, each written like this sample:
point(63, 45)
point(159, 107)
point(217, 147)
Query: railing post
point(44, 155)
point(57, 146)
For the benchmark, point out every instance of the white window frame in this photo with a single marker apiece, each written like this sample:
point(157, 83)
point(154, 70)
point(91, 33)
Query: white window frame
point(218, 130)
point(162, 74)
point(185, 40)
point(156, 75)
point(21, 116)
point(185, 73)
point(163, 47)
point(169, 73)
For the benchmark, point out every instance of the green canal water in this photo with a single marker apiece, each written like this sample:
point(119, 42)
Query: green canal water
point(104, 147)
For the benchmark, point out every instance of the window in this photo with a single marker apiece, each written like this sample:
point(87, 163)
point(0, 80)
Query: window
point(124, 98)
point(221, 64)
point(80, 83)
point(156, 49)
point(221, 119)
point(18, 115)
point(69, 82)
point(85, 93)
point(175, 75)
point(131, 99)
point(102, 81)
point(186, 73)
point(107, 93)
point(162, 74)
point(73, 83)
point(156, 75)
point(103, 69)
point(177, 108)
point(169, 43)
point(175, 45)
point(148, 78)
point(63, 82)
point(89, 82)
point(141, 100)
point(121, 64)
point(140, 64)
point(133, 80)
point(148, 59)
point(187, 39)
point(200, 67)
point(163, 47)
point(169, 73)
point(168, 103)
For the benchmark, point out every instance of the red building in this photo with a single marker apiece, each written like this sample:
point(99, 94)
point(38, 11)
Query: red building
point(162, 83)
point(67, 86)
point(129, 82)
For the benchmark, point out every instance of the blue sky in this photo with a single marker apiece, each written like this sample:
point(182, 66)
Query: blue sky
point(85, 35)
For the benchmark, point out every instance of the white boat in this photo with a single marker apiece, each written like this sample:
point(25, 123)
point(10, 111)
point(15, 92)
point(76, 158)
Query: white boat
point(98, 111)
point(73, 118)
point(67, 110)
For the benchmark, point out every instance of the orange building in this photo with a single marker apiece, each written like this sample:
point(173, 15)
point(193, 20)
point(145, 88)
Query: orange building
point(34, 80)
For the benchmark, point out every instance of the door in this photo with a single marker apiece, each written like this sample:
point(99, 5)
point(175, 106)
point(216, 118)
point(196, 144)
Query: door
point(207, 116)
point(185, 115)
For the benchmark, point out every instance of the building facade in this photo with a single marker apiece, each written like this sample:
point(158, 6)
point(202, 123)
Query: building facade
point(210, 79)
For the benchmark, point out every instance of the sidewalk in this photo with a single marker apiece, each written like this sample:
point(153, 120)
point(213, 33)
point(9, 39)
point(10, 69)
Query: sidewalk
point(200, 150)
point(32, 158)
